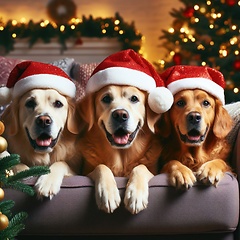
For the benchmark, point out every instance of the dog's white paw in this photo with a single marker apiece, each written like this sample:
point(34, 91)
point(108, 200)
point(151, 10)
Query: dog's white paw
point(136, 197)
point(47, 186)
point(107, 196)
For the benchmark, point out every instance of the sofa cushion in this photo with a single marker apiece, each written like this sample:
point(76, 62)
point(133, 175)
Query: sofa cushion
point(73, 212)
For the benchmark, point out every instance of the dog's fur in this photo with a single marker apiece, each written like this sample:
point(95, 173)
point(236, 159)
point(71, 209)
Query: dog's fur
point(40, 128)
point(193, 138)
point(119, 141)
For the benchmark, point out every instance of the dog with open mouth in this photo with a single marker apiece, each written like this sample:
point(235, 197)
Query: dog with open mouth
point(193, 132)
point(39, 122)
point(124, 99)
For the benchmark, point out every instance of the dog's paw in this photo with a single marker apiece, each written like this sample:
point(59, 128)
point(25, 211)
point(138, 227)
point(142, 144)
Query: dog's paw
point(136, 197)
point(107, 196)
point(47, 186)
point(182, 177)
point(211, 172)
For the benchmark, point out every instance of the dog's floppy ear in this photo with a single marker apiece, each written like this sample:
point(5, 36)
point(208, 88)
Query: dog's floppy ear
point(223, 122)
point(163, 126)
point(152, 118)
point(10, 118)
point(73, 122)
point(86, 112)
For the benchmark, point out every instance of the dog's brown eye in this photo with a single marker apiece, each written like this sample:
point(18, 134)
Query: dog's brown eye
point(57, 104)
point(181, 103)
point(206, 103)
point(31, 104)
point(107, 99)
point(134, 99)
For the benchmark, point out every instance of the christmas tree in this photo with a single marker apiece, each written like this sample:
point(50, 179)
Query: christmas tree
point(207, 33)
point(10, 225)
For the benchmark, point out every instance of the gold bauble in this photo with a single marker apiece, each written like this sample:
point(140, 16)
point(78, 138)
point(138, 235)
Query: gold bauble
point(3, 144)
point(1, 194)
point(2, 127)
point(3, 221)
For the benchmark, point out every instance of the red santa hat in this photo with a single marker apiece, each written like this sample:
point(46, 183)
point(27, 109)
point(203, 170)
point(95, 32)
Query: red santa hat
point(29, 75)
point(180, 77)
point(129, 68)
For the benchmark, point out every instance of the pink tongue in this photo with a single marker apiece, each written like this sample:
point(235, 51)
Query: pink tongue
point(122, 139)
point(193, 138)
point(44, 143)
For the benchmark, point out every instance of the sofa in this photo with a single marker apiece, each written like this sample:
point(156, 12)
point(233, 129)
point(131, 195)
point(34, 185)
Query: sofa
point(202, 212)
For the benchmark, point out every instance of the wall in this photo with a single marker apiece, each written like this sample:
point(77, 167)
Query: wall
point(150, 16)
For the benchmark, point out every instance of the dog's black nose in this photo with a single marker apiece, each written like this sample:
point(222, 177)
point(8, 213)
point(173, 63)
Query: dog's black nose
point(43, 121)
point(120, 115)
point(194, 118)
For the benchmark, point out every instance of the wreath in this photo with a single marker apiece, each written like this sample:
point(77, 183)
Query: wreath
point(61, 11)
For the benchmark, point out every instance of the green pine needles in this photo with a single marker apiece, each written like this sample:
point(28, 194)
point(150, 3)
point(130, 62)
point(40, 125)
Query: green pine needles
point(15, 181)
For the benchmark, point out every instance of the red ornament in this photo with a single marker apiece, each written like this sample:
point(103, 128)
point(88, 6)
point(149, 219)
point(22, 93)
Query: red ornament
point(177, 58)
point(236, 64)
point(79, 41)
point(231, 2)
point(188, 12)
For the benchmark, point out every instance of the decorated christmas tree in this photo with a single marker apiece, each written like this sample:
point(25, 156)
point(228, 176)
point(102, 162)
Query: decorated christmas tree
point(207, 33)
point(11, 225)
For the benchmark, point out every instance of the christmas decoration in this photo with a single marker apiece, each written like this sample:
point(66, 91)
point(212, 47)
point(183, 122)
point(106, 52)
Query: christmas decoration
point(10, 225)
point(29, 75)
point(205, 33)
point(61, 11)
point(3, 221)
point(231, 2)
point(177, 58)
point(178, 78)
point(1, 194)
point(129, 68)
point(236, 64)
point(113, 27)
point(188, 12)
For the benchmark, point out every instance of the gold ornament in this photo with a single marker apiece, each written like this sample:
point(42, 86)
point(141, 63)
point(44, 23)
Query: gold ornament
point(3, 144)
point(3, 221)
point(1, 194)
point(2, 127)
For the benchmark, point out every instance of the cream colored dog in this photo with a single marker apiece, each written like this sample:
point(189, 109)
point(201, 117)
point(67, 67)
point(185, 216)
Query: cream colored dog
point(40, 128)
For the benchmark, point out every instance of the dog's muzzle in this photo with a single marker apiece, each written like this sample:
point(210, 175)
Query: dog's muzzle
point(193, 137)
point(44, 142)
point(121, 138)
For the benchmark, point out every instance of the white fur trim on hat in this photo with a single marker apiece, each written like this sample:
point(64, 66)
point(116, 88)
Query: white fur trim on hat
point(201, 83)
point(120, 76)
point(5, 95)
point(160, 100)
point(49, 81)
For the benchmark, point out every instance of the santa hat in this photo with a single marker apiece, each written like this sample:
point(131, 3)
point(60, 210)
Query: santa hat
point(180, 77)
point(30, 75)
point(129, 68)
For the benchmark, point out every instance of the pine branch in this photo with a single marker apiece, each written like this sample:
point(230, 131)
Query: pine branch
point(5, 207)
point(8, 162)
point(31, 172)
point(14, 227)
point(20, 186)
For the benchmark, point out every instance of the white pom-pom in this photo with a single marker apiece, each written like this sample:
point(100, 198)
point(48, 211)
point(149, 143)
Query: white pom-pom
point(5, 95)
point(160, 100)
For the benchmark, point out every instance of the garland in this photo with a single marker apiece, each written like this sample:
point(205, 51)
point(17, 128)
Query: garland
point(114, 27)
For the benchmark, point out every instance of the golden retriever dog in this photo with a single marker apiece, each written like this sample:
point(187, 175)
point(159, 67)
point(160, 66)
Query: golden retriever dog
point(39, 127)
point(119, 141)
point(193, 139)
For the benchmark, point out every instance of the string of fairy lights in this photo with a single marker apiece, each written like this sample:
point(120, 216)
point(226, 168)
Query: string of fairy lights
point(46, 30)
point(188, 41)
